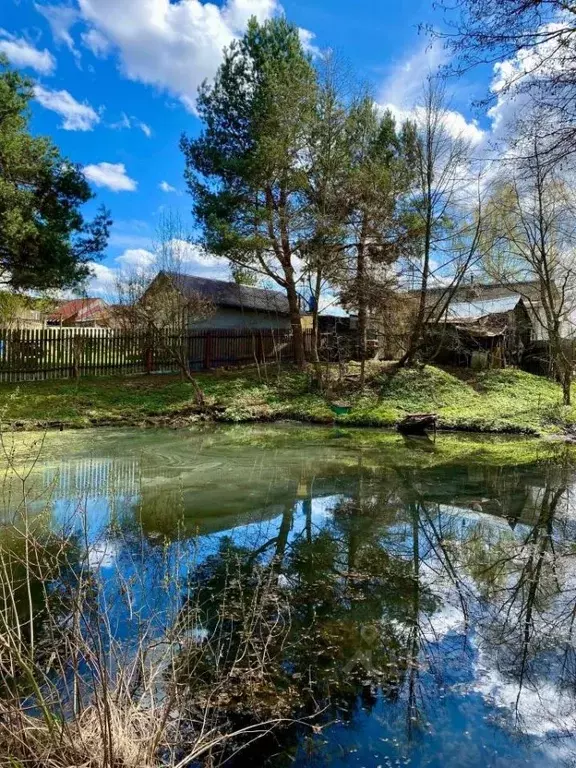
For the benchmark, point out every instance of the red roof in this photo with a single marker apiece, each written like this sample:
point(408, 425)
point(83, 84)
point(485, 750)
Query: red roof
point(82, 310)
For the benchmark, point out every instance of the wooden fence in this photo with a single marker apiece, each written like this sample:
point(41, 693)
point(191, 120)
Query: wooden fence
point(48, 353)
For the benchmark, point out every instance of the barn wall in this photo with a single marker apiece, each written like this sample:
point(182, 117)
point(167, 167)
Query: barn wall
point(226, 317)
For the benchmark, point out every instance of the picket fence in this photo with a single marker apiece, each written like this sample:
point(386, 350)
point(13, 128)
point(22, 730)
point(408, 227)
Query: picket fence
point(47, 353)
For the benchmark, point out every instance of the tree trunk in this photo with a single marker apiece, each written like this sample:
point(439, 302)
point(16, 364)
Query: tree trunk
point(296, 324)
point(562, 362)
point(566, 389)
point(362, 308)
point(315, 351)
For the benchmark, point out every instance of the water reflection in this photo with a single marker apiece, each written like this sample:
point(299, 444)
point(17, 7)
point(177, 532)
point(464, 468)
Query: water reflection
point(429, 598)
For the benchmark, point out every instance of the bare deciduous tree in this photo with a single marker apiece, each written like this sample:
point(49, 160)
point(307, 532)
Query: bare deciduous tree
point(446, 209)
point(536, 39)
point(152, 296)
point(532, 233)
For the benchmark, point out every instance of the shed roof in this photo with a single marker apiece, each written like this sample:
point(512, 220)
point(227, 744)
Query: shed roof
point(473, 310)
point(472, 292)
point(225, 294)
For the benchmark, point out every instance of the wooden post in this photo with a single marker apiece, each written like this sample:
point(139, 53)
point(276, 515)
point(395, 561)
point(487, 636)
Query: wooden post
point(76, 358)
point(207, 350)
point(260, 352)
point(149, 356)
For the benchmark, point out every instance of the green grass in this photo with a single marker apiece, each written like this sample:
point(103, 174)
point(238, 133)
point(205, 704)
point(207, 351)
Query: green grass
point(505, 401)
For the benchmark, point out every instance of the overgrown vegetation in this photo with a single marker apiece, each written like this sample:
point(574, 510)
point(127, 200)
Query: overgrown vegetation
point(507, 401)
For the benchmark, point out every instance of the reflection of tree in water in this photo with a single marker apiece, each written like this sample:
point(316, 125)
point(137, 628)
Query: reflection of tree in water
point(372, 580)
point(332, 613)
point(347, 605)
point(36, 567)
point(527, 581)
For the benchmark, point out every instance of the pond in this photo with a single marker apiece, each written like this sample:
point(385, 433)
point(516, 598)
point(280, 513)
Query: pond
point(416, 599)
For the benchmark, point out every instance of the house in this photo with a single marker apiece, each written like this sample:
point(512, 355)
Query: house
point(481, 331)
point(481, 299)
point(80, 313)
point(232, 305)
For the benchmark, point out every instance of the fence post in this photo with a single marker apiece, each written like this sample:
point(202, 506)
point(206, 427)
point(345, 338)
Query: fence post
point(149, 357)
point(207, 350)
point(260, 348)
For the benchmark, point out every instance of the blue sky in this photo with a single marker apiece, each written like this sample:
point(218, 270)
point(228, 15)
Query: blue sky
point(116, 81)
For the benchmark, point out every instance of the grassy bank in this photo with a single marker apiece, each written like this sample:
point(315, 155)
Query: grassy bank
point(505, 401)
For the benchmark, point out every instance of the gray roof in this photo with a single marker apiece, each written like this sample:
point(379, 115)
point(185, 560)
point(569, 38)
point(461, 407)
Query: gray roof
point(474, 292)
point(225, 294)
point(471, 310)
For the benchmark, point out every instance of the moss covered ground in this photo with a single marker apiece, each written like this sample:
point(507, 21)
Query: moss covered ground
point(496, 401)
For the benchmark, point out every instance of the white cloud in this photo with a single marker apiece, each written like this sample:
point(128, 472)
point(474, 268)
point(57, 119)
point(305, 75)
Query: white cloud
point(517, 80)
point(404, 88)
point(195, 260)
point(192, 258)
point(136, 258)
point(404, 85)
point(457, 126)
point(110, 175)
point(76, 116)
point(165, 187)
point(124, 122)
point(22, 54)
point(307, 40)
point(61, 19)
point(173, 46)
point(103, 280)
point(146, 130)
point(454, 122)
point(189, 257)
point(96, 42)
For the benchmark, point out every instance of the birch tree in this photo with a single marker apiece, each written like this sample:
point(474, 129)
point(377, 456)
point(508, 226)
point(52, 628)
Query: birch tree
point(532, 236)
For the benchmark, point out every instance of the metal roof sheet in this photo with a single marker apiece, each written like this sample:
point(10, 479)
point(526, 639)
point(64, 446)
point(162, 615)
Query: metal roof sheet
point(480, 308)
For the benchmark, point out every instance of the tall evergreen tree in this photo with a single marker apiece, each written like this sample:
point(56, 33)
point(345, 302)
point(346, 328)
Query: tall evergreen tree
point(379, 229)
point(247, 171)
point(44, 240)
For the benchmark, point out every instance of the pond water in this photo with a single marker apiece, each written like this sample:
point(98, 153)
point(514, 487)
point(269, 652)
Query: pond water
point(430, 587)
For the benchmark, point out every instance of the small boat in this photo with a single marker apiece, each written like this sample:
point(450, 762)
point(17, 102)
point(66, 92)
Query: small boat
point(340, 408)
point(417, 423)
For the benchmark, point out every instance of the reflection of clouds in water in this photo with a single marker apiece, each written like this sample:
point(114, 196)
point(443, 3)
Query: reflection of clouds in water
point(324, 507)
point(102, 554)
point(542, 711)
point(321, 507)
point(465, 517)
point(450, 618)
point(538, 706)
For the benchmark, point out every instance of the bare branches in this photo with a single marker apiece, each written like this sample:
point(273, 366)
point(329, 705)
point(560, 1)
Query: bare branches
point(152, 296)
point(446, 207)
point(535, 44)
point(532, 233)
